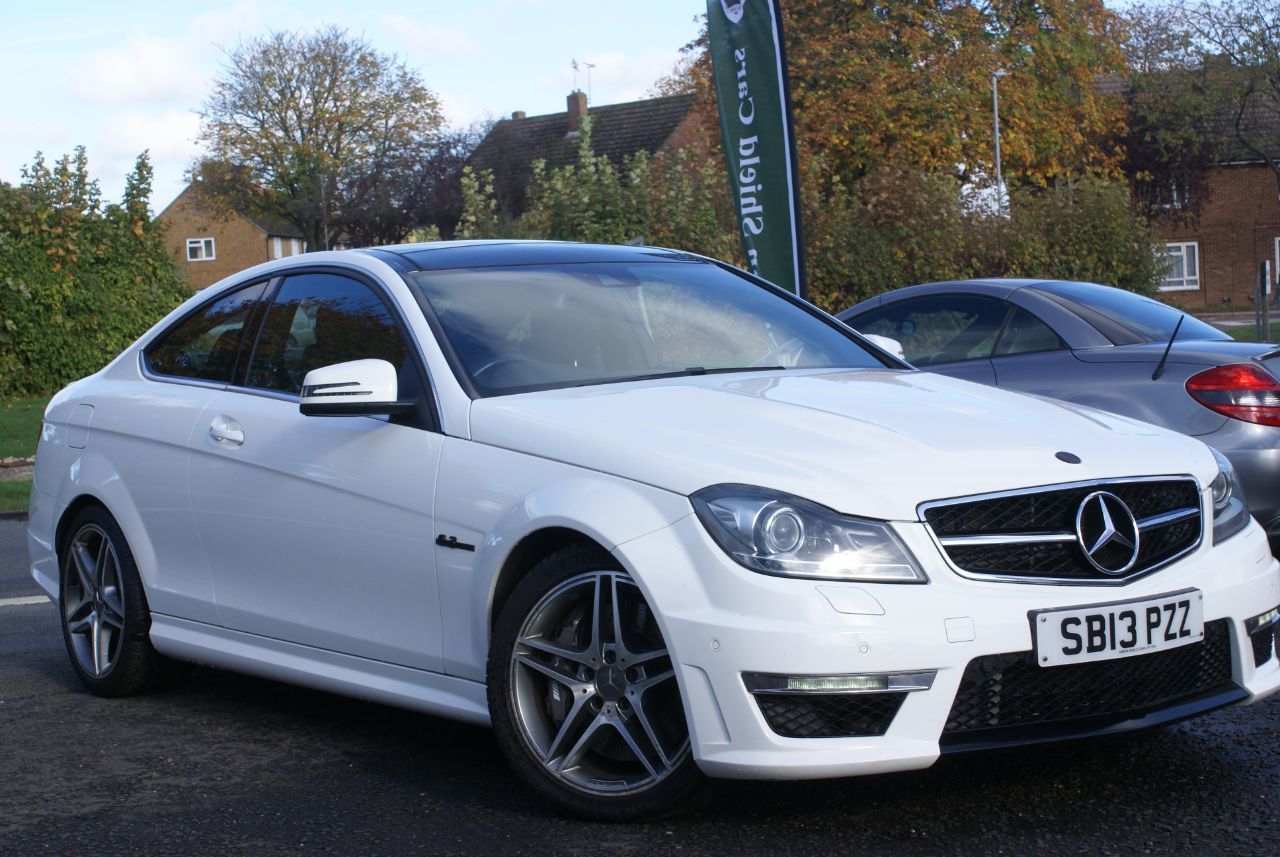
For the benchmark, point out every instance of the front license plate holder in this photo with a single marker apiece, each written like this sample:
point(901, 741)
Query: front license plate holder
point(1117, 629)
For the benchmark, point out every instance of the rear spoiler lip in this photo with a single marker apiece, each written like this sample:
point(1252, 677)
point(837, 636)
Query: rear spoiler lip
point(1268, 355)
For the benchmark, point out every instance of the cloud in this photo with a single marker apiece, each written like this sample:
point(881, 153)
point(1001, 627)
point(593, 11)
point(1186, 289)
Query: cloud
point(169, 135)
point(429, 41)
point(143, 70)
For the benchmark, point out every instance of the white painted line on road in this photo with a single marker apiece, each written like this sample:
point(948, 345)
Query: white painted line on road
point(24, 601)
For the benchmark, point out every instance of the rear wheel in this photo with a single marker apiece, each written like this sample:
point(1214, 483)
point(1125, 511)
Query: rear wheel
point(105, 618)
point(583, 693)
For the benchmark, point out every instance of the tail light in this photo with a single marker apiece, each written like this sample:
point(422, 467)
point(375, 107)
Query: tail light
point(1239, 391)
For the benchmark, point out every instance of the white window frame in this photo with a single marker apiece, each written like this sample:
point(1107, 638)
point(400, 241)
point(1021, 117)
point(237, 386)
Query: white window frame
point(277, 247)
point(205, 246)
point(1190, 281)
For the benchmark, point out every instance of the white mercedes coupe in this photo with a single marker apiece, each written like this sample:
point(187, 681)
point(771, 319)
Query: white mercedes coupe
point(651, 518)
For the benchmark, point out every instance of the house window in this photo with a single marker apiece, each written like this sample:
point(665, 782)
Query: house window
point(200, 250)
point(1182, 271)
point(281, 247)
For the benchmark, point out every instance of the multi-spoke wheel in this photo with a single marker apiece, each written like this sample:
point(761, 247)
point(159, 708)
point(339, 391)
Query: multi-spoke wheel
point(105, 619)
point(583, 692)
point(93, 601)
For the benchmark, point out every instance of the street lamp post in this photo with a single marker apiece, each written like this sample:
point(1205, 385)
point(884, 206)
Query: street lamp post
point(995, 112)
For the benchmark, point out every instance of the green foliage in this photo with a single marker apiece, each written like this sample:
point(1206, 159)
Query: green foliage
point(79, 280)
point(892, 227)
point(19, 424)
point(15, 494)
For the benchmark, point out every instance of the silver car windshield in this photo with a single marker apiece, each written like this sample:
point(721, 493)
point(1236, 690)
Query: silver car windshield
point(520, 328)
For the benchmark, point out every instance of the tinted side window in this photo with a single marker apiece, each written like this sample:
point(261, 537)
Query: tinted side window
point(938, 329)
point(1025, 334)
point(205, 345)
point(318, 320)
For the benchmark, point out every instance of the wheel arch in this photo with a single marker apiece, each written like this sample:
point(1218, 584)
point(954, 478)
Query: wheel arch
point(584, 508)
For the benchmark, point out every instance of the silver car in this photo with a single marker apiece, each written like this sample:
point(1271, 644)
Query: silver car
point(1103, 347)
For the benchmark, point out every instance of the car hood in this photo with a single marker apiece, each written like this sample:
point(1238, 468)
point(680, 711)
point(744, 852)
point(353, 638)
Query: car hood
point(864, 442)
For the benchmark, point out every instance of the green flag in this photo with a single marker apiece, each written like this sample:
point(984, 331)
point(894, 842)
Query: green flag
point(759, 142)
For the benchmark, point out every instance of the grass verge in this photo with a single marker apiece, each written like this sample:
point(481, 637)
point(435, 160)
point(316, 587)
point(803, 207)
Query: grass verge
point(14, 494)
point(1249, 333)
point(20, 426)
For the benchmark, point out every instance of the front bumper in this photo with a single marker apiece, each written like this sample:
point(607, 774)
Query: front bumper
point(722, 620)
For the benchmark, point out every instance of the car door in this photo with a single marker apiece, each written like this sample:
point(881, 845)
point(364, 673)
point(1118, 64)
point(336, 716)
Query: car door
point(952, 334)
point(147, 425)
point(1030, 357)
point(318, 530)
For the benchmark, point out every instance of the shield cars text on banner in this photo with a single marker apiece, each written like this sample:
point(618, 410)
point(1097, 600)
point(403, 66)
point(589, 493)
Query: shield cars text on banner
point(759, 141)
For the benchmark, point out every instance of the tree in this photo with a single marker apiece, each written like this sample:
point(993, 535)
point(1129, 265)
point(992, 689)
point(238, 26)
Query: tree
point(1174, 135)
point(324, 132)
point(878, 84)
point(1239, 45)
point(79, 278)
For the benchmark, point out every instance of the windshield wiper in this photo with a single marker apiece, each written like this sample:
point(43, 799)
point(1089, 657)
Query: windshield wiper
point(680, 373)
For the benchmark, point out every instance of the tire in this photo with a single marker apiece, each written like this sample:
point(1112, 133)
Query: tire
point(591, 719)
point(106, 623)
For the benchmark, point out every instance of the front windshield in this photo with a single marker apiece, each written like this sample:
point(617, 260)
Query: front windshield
point(1125, 317)
point(544, 326)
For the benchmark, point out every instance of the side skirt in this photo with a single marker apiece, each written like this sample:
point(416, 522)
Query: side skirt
point(376, 681)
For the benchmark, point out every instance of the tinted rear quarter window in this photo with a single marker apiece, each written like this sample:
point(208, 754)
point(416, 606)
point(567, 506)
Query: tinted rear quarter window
point(205, 344)
point(1126, 317)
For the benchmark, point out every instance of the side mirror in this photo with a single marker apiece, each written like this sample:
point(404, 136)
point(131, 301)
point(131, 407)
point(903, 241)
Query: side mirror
point(893, 346)
point(359, 388)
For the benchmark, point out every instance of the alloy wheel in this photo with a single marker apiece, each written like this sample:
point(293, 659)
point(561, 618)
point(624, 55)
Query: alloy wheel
point(93, 600)
point(594, 687)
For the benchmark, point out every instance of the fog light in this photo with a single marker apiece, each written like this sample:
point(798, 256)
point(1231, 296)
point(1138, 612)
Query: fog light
point(1262, 620)
point(862, 683)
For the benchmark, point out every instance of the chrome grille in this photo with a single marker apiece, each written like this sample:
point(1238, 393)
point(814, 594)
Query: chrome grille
point(1031, 535)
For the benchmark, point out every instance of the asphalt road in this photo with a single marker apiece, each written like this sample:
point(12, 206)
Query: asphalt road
point(236, 765)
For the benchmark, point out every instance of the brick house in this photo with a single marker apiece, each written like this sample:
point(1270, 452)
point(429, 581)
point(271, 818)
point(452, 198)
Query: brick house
point(209, 244)
point(1214, 260)
point(617, 130)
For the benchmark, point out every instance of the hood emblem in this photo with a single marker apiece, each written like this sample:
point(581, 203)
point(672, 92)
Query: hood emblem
point(1067, 457)
point(1107, 532)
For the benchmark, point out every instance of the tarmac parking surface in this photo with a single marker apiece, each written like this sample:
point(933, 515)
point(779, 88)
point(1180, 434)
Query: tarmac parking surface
point(236, 765)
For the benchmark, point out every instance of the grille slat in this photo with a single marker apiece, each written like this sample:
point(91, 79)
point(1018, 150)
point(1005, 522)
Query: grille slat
point(1053, 510)
point(1012, 690)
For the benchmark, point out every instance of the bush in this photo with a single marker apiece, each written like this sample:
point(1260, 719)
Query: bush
point(894, 226)
point(79, 280)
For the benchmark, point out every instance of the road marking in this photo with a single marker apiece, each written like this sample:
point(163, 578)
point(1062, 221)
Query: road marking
point(24, 601)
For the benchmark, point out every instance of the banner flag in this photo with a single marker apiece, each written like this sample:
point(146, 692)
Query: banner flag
point(750, 70)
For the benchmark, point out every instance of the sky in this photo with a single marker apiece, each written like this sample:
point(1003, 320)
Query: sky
point(122, 77)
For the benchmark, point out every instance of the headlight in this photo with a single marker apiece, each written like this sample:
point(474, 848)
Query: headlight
point(776, 533)
point(1230, 510)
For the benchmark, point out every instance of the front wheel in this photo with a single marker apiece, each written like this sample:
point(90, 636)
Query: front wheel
point(583, 693)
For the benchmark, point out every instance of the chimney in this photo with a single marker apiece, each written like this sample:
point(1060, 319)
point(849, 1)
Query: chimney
point(517, 114)
point(577, 110)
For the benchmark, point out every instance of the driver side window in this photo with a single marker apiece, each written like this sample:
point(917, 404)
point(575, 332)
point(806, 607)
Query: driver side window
point(320, 319)
point(939, 329)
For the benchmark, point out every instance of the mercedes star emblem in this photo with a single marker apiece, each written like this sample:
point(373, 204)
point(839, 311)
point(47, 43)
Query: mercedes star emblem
point(1107, 532)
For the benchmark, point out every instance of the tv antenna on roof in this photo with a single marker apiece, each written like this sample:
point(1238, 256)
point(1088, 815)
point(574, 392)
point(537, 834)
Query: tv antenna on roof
point(573, 64)
point(589, 65)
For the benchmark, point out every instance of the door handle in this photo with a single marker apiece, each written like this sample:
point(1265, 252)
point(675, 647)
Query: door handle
point(226, 430)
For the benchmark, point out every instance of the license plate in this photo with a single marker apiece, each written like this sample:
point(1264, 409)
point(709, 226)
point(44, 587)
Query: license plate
point(1119, 629)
